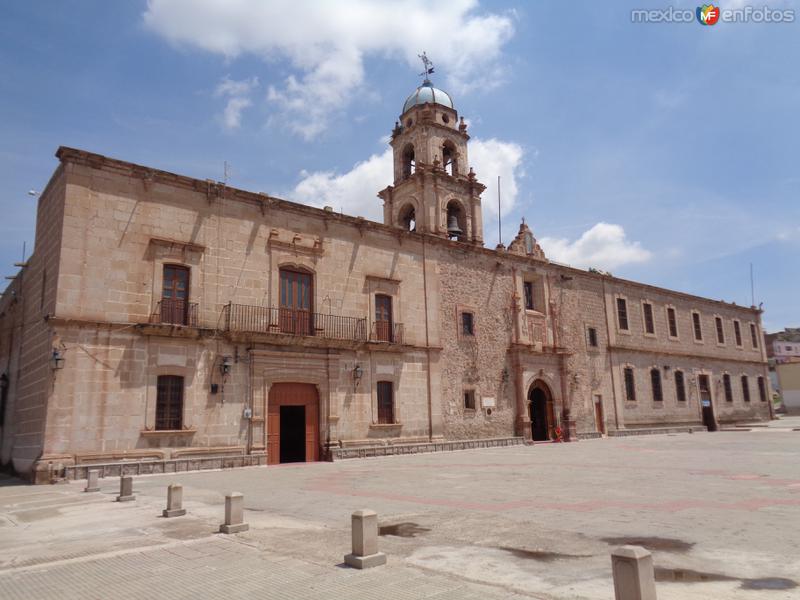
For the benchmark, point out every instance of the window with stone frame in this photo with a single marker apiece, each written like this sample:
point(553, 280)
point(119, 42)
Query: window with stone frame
point(169, 403)
point(720, 330)
point(467, 323)
point(698, 327)
point(762, 389)
point(746, 388)
point(672, 322)
point(649, 321)
point(533, 293)
point(591, 333)
point(622, 314)
point(469, 399)
point(630, 384)
point(680, 386)
point(754, 335)
point(726, 384)
point(737, 333)
point(527, 287)
point(385, 402)
point(655, 380)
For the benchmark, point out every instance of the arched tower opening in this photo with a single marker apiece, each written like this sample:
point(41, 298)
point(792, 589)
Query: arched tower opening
point(408, 218)
point(456, 221)
point(450, 158)
point(409, 162)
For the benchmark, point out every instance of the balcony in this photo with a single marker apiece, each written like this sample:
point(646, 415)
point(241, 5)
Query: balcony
point(170, 311)
point(241, 318)
point(386, 331)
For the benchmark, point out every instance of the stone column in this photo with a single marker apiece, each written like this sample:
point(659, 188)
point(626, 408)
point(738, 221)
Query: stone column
point(365, 541)
point(125, 489)
point(234, 514)
point(92, 484)
point(174, 501)
point(634, 579)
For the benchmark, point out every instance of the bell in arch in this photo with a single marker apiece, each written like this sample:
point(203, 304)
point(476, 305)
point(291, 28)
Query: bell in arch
point(453, 230)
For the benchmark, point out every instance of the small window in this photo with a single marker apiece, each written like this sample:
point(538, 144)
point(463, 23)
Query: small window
point(630, 385)
point(592, 337)
point(680, 386)
point(726, 383)
point(528, 288)
point(169, 403)
point(385, 402)
point(698, 328)
point(649, 323)
point(673, 322)
point(762, 389)
point(746, 388)
point(720, 330)
point(753, 335)
point(737, 333)
point(467, 323)
point(622, 313)
point(469, 399)
point(655, 379)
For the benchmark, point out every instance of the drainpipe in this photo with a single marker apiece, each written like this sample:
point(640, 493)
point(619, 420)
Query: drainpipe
point(427, 337)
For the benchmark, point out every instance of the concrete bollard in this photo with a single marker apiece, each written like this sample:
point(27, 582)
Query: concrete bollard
point(634, 578)
point(174, 501)
point(125, 489)
point(365, 541)
point(234, 514)
point(92, 484)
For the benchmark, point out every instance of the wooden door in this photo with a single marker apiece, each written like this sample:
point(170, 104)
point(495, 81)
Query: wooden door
point(704, 384)
point(383, 318)
point(292, 394)
point(598, 415)
point(296, 302)
point(175, 295)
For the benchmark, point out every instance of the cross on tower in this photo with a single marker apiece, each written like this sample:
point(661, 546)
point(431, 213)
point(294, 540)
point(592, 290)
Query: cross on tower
point(426, 62)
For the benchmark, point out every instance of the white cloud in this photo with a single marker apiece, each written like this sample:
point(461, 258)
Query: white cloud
point(238, 94)
point(604, 246)
point(326, 43)
point(355, 192)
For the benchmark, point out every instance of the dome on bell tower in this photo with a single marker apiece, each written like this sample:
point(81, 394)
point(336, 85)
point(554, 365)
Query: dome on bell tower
point(426, 94)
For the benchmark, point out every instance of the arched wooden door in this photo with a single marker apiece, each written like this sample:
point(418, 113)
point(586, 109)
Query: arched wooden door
point(541, 412)
point(292, 423)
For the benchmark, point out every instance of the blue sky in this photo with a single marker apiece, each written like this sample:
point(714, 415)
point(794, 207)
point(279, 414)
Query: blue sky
point(666, 153)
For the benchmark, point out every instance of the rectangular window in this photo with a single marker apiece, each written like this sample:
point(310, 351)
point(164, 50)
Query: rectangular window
point(622, 313)
point(296, 306)
point(720, 330)
point(630, 384)
point(175, 295)
point(528, 288)
point(169, 403)
point(467, 323)
point(680, 386)
point(737, 333)
point(673, 322)
point(592, 337)
point(385, 402)
point(745, 388)
point(655, 379)
point(383, 318)
point(649, 323)
point(762, 389)
point(698, 329)
point(753, 335)
point(469, 399)
point(726, 383)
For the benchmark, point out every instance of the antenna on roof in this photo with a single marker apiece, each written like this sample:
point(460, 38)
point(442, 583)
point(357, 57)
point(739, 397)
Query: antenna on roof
point(426, 62)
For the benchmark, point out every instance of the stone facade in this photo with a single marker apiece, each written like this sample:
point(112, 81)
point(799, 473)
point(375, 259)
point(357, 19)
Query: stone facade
point(402, 337)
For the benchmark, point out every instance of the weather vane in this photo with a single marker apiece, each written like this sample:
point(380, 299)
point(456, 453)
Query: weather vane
point(428, 66)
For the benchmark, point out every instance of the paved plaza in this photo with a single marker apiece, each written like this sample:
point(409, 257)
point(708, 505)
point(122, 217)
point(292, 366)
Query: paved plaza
point(720, 512)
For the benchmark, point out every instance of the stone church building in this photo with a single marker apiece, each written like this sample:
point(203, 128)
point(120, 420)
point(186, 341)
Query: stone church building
point(166, 323)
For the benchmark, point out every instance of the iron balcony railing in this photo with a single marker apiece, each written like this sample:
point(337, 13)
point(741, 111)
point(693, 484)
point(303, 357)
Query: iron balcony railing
point(289, 321)
point(175, 312)
point(386, 331)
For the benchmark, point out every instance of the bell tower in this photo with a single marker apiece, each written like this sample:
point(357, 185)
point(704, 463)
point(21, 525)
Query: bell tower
point(434, 190)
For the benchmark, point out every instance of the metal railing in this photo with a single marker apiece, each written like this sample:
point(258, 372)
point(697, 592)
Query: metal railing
point(386, 331)
point(175, 312)
point(289, 321)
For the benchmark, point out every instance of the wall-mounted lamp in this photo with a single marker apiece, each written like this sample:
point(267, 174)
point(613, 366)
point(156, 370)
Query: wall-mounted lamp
point(226, 365)
point(358, 373)
point(57, 360)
